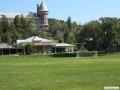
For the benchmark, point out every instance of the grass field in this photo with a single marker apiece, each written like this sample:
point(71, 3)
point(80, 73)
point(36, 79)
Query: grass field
point(48, 73)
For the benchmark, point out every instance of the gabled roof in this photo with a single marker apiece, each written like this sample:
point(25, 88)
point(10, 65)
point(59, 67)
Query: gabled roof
point(19, 41)
point(43, 7)
point(34, 38)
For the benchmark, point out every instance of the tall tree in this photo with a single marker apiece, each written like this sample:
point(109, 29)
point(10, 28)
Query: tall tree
point(71, 38)
point(90, 35)
point(109, 32)
point(59, 36)
point(69, 22)
point(17, 22)
point(0, 27)
point(5, 23)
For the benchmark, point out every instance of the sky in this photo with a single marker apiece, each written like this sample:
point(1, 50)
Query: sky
point(81, 11)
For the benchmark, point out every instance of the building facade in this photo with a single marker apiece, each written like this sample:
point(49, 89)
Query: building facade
point(42, 45)
point(41, 16)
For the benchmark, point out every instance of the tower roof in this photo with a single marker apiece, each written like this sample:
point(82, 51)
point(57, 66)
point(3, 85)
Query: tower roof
point(43, 7)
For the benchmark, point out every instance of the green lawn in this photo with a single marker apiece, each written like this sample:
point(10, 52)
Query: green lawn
point(48, 73)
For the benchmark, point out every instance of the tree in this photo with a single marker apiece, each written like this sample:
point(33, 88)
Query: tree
point(69, 22)
point(29, 49)
point(109, 32)
point(59, 36)
point(66, 32)
point(23, 22)
point(56, 27)
point(14, 35)
point(4, 38)
point(39, 32)
point(17, 22)
point(5, 24)
point(0, 27)
point(75, 26)
point(0, 32)
point(71, 38)
point(90, 35)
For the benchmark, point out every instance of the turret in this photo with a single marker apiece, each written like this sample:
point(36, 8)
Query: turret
point(38, 6)
point(42, 12)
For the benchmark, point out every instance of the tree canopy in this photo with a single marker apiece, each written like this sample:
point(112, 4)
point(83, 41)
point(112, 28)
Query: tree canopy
point(102, 34)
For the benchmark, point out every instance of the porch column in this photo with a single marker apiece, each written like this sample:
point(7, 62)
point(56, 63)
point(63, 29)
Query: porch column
point(62, 49)
point(9, 50)
point(43, 49)
point(69, 49)
point(72, 49)
point(66, 49)
point(35, 49)
point(55, 49)
point(2, 51)
point(16, 51)
point(24, 50)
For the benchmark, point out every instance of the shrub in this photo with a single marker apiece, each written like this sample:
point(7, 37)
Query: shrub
point(29, 49)
point(63, 55)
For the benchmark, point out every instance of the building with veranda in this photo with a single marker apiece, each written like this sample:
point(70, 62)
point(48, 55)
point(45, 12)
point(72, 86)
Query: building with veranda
point(41, 45)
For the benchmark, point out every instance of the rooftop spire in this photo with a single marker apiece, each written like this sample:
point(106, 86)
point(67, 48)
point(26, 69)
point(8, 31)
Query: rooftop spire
point(43, 7)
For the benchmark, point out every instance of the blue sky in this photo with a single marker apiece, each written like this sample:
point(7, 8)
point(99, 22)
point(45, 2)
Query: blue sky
point(80, 11)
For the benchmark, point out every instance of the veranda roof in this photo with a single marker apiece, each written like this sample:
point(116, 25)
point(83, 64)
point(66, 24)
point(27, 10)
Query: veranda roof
point(34, 38)
point(62, 45)
point(4, 45)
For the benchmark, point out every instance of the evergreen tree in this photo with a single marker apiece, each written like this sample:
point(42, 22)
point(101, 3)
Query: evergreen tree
point(69, 22)
point(17, 22)
point(5, 24)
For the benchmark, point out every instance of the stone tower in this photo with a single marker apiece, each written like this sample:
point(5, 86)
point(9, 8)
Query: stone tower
point(42, 13)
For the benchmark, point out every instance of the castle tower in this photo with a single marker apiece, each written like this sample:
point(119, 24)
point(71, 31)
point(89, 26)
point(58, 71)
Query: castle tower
point(42, 12)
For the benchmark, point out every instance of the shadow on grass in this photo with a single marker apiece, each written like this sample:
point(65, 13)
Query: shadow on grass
point(63, 55)
point(73, 55)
